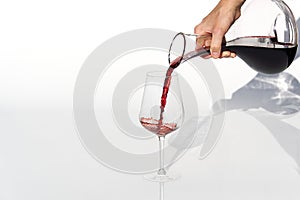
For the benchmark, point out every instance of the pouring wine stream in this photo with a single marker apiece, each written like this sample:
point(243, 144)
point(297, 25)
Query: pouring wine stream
point(262, 53)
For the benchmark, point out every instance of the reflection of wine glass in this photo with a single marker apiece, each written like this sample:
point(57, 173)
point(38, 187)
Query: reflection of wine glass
point(161, 115)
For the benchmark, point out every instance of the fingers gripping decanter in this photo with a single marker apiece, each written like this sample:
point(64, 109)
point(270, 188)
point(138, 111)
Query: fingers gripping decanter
point(265, 37)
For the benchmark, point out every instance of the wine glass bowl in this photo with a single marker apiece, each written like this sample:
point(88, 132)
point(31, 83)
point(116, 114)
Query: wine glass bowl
point(153, 116)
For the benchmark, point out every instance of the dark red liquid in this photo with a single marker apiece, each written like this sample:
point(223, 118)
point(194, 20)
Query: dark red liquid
point(266, 60)
point(163, 101)
point(166, 87)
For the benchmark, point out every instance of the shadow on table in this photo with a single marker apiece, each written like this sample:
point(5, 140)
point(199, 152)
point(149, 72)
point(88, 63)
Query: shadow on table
point(269, 99)
point(278, 94)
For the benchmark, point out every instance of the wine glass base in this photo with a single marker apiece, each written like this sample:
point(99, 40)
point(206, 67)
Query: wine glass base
point(162, 178)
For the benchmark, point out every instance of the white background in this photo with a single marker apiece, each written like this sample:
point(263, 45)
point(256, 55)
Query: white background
point(42, 47)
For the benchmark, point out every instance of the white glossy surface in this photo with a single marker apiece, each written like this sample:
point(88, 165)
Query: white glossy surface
point(43, 46)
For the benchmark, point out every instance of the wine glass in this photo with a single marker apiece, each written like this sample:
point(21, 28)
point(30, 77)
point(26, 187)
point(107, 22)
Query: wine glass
point(161, 113)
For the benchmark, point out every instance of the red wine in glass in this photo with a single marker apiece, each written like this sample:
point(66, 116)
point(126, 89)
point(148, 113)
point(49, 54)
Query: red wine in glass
point(160, 128)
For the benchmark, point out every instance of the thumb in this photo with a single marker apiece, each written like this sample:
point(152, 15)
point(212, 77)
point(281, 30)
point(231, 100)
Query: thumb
point(216, 43)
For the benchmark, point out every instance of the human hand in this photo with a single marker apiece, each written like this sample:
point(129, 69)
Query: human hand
point(215, 25)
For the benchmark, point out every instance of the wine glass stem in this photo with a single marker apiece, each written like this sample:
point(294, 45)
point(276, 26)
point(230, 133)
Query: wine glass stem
point(161, 191)
point(161, 170)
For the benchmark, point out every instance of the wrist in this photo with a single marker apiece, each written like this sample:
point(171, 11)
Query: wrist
point(234, 3)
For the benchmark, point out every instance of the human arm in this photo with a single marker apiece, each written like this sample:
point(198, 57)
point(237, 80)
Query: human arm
point(216, 24)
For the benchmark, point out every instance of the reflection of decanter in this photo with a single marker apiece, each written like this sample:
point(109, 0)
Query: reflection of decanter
point(265, 37)
point(278, 94)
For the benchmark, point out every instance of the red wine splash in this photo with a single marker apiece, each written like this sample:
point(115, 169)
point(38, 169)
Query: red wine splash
point(157, 127)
